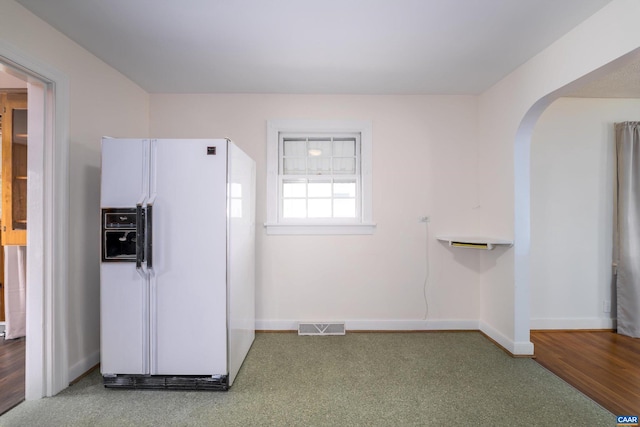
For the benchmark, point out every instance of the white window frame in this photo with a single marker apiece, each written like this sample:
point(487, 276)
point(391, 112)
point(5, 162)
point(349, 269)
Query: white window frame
point(363, 224)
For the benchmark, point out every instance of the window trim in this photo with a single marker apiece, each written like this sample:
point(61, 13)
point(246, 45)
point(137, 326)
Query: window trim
point(362, 225)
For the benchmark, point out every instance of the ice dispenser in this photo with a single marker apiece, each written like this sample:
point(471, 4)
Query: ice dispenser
point(121, 232)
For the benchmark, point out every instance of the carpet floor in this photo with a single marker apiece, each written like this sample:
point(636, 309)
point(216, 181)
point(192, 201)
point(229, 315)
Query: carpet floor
point(361, 379)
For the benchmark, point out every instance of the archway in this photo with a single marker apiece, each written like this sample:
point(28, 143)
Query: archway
point(522, 196)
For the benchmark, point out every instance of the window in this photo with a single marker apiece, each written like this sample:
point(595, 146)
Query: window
point(319, 177)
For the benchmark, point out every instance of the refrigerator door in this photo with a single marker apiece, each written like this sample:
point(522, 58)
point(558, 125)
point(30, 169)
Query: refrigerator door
point(188, 273)
point(123, 289)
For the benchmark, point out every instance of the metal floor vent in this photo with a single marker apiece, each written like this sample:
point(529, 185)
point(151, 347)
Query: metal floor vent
point(321, 328)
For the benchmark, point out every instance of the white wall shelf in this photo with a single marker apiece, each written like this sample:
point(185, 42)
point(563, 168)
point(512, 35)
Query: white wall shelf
point(474, 242)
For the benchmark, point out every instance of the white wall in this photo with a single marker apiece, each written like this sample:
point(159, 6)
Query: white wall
point(424, 163)
point(572, 185)
point(507, 113)
point(101, 102)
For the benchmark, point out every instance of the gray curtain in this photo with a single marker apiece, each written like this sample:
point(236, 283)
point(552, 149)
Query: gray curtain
point(628, 228)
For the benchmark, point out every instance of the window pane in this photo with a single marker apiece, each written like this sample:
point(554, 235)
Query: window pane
point(320, 189)
point(319, 208)
point(294, 167)
point(294, 147)
point(344, 189)
point(319, 147)
point(344, 165)
point(344, 147)
point(319, 166)
point(318, 176)
point(294, 189)
point(294, 208)
point(344, 208)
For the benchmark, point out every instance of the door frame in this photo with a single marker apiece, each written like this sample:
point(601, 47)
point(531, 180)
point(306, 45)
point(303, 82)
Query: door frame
point(46, 370)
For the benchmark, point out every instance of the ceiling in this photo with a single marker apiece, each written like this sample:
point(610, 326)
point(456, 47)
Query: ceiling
point(315, 46)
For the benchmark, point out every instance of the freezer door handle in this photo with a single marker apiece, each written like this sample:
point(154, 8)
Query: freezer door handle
point(149, 247)
point(139, 236)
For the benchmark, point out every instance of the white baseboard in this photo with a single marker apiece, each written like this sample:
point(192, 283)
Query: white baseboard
point(374, 325)
point(573, 323)
point(516, 348)
point(81, 367)
point(524, 348)
point(411, 325)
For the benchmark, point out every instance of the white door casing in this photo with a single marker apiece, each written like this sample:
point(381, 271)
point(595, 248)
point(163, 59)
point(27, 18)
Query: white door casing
point(46, 370)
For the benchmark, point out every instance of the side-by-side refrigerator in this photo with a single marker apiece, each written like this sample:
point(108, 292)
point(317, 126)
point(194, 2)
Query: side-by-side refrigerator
point(177, 274)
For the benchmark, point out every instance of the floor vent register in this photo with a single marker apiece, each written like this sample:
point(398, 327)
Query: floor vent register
point(321, 328)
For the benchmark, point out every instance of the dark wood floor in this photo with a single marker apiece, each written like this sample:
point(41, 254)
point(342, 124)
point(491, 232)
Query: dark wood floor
point(11, 373)
point(601, 364)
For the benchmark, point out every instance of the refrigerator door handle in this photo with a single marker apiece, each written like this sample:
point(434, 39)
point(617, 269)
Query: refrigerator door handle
point(149, 246)
point(139, 236)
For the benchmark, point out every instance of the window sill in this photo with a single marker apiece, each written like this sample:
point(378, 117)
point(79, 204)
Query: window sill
point(320, 229)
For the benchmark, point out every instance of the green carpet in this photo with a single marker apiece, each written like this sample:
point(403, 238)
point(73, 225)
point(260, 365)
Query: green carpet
point(361, 379)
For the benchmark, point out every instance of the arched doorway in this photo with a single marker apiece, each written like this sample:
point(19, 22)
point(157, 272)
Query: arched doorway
point(522, 181)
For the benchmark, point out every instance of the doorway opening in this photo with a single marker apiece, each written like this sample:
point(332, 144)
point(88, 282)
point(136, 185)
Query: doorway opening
point(46, 367)
point(13, 234)
point(522, 163)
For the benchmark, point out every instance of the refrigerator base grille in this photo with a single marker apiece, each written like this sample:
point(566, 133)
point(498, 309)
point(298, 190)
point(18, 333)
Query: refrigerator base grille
point(167, 382)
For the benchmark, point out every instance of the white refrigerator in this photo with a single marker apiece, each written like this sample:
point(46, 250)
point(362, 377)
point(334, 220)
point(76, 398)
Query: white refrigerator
point(177, 274)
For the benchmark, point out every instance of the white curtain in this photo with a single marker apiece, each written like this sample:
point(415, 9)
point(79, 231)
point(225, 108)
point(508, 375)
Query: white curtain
point(15, 291)
point(628, 228)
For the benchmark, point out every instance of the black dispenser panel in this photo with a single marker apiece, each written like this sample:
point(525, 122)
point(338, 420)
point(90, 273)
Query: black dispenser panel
point(119, 235)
